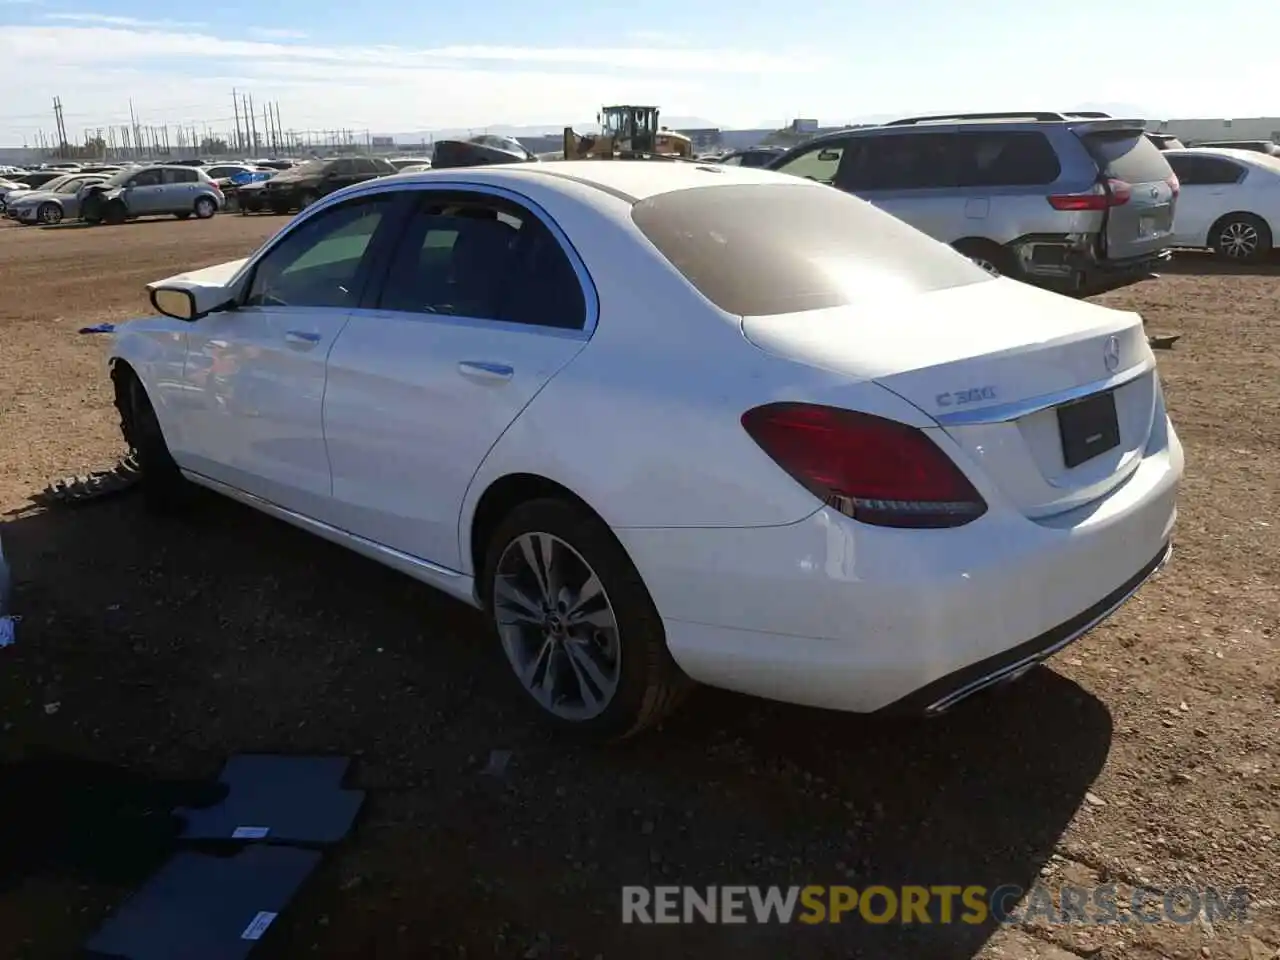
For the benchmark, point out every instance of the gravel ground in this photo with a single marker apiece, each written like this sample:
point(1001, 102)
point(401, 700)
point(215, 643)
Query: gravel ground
point(1146, 754)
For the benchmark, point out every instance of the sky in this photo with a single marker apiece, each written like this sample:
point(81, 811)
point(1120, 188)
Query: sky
point(397, 67)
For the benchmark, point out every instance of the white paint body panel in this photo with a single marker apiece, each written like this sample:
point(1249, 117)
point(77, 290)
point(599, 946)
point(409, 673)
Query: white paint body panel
point(1200, 206)
point(762, 588)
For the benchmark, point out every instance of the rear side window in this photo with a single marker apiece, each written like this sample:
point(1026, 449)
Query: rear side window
point(180, 175)
point(1194, 170)
point(763, 249)
point(1014, 158)
point(1127, 155)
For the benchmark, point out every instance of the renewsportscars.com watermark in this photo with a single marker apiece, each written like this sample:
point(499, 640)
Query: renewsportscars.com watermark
point(972, 904)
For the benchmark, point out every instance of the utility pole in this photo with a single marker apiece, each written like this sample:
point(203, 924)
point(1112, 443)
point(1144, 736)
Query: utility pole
point(253, 128)
point(62, 130)
point(235, 102)
point(137, 131)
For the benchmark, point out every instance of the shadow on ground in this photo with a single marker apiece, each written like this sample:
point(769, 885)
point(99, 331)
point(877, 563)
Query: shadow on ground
point(170, 643)
point(1203, 263)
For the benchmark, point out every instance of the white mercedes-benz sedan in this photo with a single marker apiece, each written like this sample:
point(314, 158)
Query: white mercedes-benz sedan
point(671, 422)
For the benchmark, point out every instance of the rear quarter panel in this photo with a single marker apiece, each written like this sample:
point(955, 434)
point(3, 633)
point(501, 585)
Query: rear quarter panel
point(644, 424)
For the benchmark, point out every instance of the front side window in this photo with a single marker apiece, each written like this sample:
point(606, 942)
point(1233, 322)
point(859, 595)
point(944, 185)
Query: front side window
point(319, 263)
point(472, 256)
point(817, 163)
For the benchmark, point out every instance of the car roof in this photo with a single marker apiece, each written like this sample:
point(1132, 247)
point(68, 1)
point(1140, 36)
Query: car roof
point(1228, 153)
point(630, 180)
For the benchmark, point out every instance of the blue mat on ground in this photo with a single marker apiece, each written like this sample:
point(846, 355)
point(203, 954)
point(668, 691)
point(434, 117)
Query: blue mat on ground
point(276, 798)
point(201, 907)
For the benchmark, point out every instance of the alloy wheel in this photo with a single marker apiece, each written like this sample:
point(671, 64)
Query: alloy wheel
point(1238, 240)
point(557, 626)
point(986, 265)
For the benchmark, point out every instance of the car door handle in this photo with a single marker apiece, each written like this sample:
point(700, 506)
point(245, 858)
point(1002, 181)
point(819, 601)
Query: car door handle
point(305, 338)
point(483, 370)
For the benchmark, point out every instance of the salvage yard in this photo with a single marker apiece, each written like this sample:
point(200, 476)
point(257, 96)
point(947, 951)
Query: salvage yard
point(1146, 754)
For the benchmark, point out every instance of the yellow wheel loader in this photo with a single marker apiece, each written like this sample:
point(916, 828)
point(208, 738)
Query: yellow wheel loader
point(628, 133)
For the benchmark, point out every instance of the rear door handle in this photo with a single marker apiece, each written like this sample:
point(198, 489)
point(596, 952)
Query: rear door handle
point(483, 370)
point(303, 338)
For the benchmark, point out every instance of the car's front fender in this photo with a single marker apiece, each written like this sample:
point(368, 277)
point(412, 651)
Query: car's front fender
point(155, 348)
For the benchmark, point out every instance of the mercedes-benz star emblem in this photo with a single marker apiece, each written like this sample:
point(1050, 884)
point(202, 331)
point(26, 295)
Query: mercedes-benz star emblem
point(1111, 354)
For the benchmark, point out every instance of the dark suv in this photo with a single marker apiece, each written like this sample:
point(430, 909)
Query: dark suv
point(1073, 202)
point(299, 187)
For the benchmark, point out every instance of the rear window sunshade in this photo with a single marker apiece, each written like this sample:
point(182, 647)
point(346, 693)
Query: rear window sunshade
point(766, 249)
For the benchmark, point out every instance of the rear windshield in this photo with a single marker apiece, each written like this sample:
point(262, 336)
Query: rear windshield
point(764, 249)
point(1128, 156)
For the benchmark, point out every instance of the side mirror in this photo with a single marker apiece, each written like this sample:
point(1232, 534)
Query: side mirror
point(174, 302)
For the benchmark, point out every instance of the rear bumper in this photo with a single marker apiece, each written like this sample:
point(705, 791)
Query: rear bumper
point(831, 613)
point(945, 692)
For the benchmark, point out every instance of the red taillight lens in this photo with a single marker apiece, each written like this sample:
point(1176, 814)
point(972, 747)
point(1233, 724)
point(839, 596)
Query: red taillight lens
point(1175, 184)
point(1118, 192)
point(1111, 193)
point(877, 471)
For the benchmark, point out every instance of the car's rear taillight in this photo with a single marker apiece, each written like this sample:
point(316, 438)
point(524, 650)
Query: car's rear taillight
point(1174, 184)
point(875, 470)
point(1109, 193)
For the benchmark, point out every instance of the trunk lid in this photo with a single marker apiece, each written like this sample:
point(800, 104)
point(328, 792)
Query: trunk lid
point(992, 363)
point(1141, 225)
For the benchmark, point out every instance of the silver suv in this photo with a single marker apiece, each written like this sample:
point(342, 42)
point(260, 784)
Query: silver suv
point(1066, 201)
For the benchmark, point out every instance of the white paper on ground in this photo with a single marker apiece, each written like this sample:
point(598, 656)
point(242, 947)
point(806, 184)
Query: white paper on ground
point(258, 925)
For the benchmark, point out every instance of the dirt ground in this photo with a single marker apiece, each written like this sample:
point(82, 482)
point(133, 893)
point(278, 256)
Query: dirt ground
point(1146, 754)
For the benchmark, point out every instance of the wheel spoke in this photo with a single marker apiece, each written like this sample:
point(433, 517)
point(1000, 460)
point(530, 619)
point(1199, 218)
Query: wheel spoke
point(592, 683)
point(535, 683)
point(590, 593)
point(515, 603)
point(539, 554)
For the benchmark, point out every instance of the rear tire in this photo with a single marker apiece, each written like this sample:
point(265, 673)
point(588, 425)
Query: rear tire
point(602, 672)
point(114, 213)
point(1241, 237)
point(990, 256)
point(163, 486)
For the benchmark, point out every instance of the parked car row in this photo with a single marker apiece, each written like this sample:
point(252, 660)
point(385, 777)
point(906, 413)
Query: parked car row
point(184, 189)
point(304, 184)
